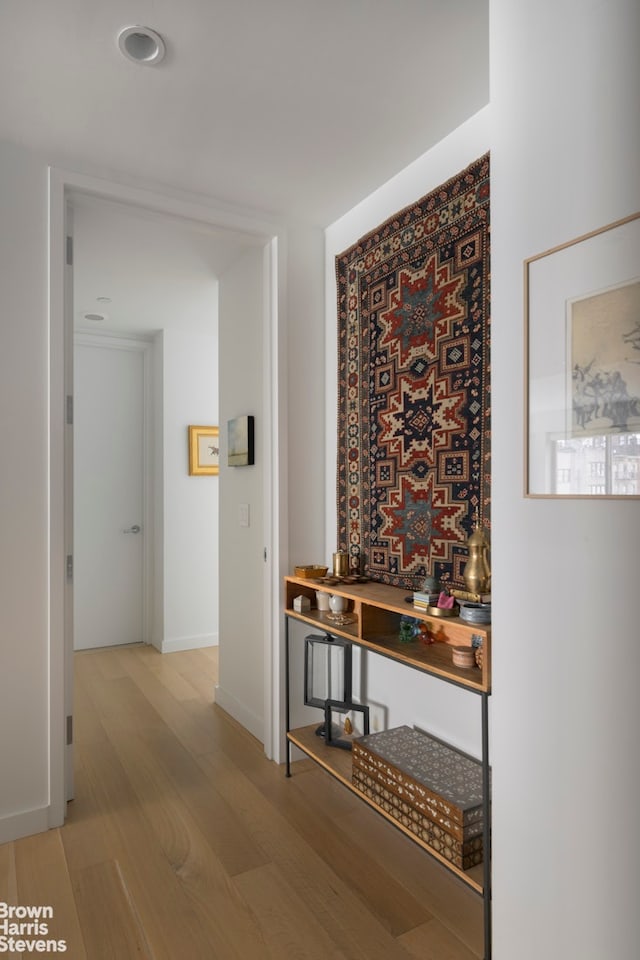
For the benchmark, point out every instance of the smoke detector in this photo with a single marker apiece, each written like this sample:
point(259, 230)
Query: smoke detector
point(141, 45)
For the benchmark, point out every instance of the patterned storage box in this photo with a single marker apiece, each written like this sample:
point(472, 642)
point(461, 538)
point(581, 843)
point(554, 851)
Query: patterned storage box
point(431, 788)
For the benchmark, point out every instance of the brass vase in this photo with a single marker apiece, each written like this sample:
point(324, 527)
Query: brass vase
point(477, 575)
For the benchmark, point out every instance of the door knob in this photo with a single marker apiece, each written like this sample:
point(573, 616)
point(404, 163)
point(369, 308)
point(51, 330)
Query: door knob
point(136, 528)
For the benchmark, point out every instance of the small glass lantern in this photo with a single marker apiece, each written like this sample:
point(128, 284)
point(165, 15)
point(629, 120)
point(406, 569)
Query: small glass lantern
point(327, 670)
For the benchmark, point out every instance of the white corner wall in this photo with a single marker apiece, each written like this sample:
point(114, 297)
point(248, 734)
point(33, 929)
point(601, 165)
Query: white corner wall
point(190, 504)
point(243, 623)
point(24, 552)
point(399, 695)
point(565, 80)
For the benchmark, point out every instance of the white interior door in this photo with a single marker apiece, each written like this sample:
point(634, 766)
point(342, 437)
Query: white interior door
point(108, 493)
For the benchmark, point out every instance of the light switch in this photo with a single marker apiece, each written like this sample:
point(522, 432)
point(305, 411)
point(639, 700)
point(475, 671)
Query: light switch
point(243, 514)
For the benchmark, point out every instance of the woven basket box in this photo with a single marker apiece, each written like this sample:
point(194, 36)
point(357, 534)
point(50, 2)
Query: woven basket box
point(463, 854)
point(438, 782)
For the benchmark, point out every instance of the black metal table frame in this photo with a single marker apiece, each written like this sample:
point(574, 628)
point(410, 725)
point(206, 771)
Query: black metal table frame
point(486, 775)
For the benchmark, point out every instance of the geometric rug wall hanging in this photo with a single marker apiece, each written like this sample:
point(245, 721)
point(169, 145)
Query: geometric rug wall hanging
point(414, 459)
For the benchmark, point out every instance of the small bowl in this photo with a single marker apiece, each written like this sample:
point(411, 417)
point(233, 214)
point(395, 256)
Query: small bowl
point(311, 571)
point(444, 611)
point(463, 656)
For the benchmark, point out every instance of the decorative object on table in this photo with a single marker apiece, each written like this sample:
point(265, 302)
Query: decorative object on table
point(410, 629)
point(463, 657)
point(476, 643)
point(413, 384)
point(301, 604)
point(310, 571)
point(338, 610)
point(582, 336)
point(322, 600)
point(428, 786)
point(337, 603)
point(204, 451)
point(475, 612)
point(240, 442)
point(341, 619)
point(445, 607)
point(327, 669)
point(327, 672)
point(422, 601)
point(334, 736)
point(477, 574)
point(469, 595)
point(429, 585)
point(340, 564)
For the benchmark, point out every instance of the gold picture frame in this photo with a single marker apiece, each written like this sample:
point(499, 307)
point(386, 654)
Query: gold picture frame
point(204, 451)
point(582, 366)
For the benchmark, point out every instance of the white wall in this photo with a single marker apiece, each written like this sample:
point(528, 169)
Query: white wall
point(24, 427)
point(190, 515)
point(565, 147)
point(242, 570)
point(399, 695)
point(306, 341)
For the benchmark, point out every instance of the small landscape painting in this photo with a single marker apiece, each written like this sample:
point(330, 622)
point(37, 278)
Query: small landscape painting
point(240, 442)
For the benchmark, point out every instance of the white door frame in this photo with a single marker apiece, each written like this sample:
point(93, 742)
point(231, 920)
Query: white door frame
point(63, 184)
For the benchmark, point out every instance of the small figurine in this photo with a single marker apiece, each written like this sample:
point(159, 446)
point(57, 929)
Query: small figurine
point(348, 726)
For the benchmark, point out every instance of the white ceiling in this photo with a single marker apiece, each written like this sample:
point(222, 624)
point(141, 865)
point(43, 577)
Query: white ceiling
point(157, 272)
point(296, 107)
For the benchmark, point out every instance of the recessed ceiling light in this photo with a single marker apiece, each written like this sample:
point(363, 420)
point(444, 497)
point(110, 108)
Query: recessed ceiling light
point(94, 317)
point(141, 45)
point(103, 299)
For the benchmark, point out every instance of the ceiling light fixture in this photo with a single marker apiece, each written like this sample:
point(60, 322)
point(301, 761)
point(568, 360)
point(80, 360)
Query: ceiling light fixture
point(141, 45)
point(95, 317)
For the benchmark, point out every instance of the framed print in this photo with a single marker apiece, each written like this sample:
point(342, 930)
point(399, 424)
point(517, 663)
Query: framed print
point(337, 735)
point(240, 438)
point(204, 451)
point(582, 376)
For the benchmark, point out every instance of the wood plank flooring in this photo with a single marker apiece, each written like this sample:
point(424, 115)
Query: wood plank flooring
point(184, 841)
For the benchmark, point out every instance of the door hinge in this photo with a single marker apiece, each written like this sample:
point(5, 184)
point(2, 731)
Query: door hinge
point(69, 731)
point(69, 251)
point(69, 409)
point(69, 567)
point(264, 554)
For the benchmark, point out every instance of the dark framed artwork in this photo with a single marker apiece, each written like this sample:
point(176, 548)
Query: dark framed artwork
point(335, 734)
point(240, 436)
point(582, 340)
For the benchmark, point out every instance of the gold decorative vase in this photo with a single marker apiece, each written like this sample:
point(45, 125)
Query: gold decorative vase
point(477, 575)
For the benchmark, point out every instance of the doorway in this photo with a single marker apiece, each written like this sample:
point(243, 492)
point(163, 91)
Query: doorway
point(263, 236)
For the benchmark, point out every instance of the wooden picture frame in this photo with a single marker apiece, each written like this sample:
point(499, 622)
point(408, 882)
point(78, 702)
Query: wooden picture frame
point(582, 366)
point(204, 451)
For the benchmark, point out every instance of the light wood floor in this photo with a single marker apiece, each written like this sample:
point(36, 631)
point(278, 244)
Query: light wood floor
point(185, 842)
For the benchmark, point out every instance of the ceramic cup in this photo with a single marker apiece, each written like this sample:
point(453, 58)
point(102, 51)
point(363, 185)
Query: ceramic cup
point(337, 604)
point(322, 600)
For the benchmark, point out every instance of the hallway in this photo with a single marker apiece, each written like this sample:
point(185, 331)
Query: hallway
point(184, 841)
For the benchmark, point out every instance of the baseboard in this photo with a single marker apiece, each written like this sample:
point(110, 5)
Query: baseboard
point(240, 712)
point(25, 824)
point(189, 643)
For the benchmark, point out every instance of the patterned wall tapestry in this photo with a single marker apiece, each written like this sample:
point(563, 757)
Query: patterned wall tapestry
point(413, 386)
